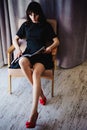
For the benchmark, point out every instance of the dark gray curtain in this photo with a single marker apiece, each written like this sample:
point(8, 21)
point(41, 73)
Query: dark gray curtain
point(72, 32)
point(71, 16)
point(5, 35)
point(72, 26)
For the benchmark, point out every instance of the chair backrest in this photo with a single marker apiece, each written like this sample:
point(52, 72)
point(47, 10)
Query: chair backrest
point(22, 43)
point(53, 23)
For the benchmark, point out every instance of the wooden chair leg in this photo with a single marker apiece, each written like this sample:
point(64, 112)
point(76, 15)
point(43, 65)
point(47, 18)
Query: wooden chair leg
point(52, 92)
point(9, 84)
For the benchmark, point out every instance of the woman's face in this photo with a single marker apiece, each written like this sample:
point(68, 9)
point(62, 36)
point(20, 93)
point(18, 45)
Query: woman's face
point(34, 17)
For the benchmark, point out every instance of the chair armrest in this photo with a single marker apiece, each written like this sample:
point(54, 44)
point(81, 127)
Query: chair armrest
point(54, 53)
point(9, 51)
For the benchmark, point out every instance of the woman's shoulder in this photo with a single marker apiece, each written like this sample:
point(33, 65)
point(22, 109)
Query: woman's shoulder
point(25, 24)
point(47, 25)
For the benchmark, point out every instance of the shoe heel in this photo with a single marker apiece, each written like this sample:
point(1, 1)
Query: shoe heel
point(32, 123)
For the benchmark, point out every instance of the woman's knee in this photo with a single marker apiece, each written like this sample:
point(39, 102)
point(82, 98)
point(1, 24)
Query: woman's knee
point(38, 70)
point(23, 62)
point(36, 73)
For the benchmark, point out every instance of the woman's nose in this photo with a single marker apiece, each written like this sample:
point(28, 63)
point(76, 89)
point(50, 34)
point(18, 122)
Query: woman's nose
point(33, 15)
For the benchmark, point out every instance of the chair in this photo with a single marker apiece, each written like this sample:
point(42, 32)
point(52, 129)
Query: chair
point(48, 74)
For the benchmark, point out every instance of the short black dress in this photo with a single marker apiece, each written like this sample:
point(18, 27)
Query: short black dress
point(37, 35)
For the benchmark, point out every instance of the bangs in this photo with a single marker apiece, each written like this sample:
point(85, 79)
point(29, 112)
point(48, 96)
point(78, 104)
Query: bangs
point(33, 11)
point(34, 8)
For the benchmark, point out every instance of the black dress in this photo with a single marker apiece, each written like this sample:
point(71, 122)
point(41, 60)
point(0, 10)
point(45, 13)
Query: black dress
point(37, 35)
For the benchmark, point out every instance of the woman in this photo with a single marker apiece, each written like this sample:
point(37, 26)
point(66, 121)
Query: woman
point(38, 32)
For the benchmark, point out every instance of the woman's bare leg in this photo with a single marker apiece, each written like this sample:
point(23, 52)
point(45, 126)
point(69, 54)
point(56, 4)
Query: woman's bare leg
point(35, 80)
point(37, 72)
point(26, 69)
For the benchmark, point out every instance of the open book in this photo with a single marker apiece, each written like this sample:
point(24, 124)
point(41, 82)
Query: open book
point(29, 55)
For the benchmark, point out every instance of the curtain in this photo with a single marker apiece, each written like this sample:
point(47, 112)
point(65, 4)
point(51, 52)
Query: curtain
point(1, 60)
point(5, 38)
point(71, 16)
point(72, 27)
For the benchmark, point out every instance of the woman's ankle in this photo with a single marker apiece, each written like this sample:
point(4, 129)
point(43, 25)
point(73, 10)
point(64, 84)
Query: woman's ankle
point(33, 116)
point(42, 95)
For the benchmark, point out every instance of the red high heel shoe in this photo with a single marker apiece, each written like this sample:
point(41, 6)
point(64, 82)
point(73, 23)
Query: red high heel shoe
point(32, 123)
point(42, 101)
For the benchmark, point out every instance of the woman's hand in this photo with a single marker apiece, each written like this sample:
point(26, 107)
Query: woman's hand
point(19, 53)
point(48, 50)
point(18, 50)
point(52, 46)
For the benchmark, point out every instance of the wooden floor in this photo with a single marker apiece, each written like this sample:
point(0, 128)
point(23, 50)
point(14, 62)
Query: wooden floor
point(67, 110)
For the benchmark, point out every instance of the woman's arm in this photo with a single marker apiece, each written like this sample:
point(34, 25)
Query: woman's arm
point(16, 45)
point(53, 45)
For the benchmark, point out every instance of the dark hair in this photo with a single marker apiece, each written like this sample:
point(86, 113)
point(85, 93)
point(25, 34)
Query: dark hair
point(35, 8)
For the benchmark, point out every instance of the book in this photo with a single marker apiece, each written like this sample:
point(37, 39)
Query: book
point(29, 55)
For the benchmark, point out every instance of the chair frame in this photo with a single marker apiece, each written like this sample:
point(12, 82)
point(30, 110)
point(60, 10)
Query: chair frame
point(48, 74)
